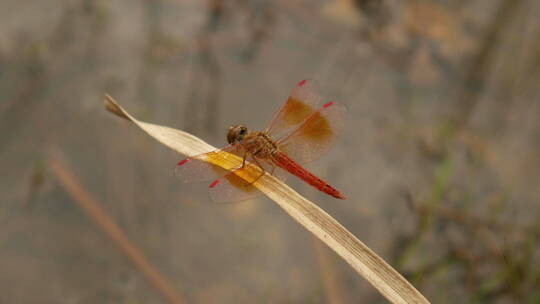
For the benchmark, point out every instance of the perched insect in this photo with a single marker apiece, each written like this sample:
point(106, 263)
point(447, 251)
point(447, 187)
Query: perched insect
point(300, 132)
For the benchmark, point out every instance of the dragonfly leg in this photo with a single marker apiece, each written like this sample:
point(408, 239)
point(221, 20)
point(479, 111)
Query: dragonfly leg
point(271, 164)
point(244, 160)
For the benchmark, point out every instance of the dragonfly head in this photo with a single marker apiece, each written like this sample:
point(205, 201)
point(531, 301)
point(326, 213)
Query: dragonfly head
point(236, 133)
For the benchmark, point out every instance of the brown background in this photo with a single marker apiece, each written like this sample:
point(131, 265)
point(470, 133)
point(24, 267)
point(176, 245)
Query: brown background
point(439, 158)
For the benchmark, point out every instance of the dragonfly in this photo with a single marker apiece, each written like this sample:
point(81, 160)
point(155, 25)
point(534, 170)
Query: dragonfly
point(301, 131)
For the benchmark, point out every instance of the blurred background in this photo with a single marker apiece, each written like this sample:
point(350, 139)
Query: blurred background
point(439, 159)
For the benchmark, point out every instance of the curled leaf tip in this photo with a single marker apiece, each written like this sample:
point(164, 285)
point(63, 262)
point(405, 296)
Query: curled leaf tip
point(112, 106)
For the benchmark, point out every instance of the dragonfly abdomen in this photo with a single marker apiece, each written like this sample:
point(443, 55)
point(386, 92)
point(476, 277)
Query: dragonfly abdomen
point(285, 162)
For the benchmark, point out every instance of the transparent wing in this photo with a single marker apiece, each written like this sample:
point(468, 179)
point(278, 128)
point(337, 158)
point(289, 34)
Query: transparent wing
point(302, 102)
point(237, 185)
point(196, 169)
point(316, 134)
point(233, 188)
point(228, 185)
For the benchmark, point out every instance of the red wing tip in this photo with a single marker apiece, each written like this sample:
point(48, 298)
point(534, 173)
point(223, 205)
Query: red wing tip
point(182, 162)
point(326, 105)
point(214, 183)
point(301, 83)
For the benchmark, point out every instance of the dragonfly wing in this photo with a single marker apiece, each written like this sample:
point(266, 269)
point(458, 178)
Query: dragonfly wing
point(316, 134)
point(197, 169)
point(232, 188)
point(302, 102)
point(228, 185)
point(238, 185)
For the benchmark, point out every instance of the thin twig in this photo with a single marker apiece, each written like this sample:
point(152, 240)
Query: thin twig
point(92, 208)
point(331, 282)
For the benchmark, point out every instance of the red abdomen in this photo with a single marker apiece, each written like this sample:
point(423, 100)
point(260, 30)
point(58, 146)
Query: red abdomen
point(283, 161)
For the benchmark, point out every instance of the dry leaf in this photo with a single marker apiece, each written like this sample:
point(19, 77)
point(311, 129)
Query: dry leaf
point(368, 264)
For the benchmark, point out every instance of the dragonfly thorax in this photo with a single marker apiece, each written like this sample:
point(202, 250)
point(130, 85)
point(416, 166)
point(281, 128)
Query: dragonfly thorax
point(256, 143)
point(259, 144)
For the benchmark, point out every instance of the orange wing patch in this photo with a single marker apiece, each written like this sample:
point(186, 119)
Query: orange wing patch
point(318, 129)
point(316, 134)
point(302, 102)
point(240, 183)
point(295, 111)
point(240, 178)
